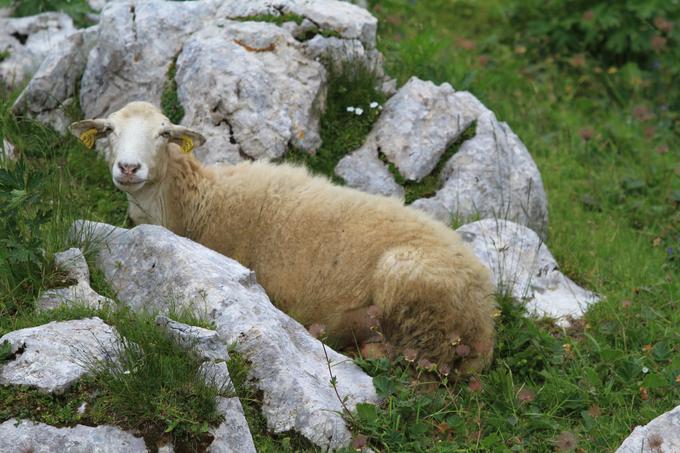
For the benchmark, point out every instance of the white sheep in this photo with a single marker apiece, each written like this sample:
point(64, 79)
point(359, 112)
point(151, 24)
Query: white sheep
point(325, 254)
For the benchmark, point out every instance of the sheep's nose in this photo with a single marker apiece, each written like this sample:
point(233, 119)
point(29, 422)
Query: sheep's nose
point(128, 169)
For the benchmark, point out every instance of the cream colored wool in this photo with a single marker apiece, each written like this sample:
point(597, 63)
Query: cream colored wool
point(326, 254)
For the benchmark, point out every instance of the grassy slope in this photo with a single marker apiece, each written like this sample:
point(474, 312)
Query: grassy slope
point(613, 228)
point(612, 221)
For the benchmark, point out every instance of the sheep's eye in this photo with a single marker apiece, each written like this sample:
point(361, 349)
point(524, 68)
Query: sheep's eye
point(107, 130)
point(165, 134)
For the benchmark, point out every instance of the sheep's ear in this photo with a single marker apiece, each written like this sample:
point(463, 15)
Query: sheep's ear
point(185, 138)
point(88, 131)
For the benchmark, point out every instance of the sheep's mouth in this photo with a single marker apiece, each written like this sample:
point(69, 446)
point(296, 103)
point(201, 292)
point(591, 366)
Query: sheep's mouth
point(129, 183)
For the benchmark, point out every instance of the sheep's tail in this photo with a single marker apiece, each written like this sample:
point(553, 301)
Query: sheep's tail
point(439, 304)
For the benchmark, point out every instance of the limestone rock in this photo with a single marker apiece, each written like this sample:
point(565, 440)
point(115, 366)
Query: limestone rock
point(524, 267)
point(73, 263)
point(661, 435)
point(148, 266)
point(205, 342)
point(136, 44)
point(53, 86)
point(491, 176)
point(7, 150)
point(27, 41)
point(347, 20)
point(53, 356)
point(419, 123)
point(233, 434)
point(250, 90)
point(364, 170)
point(28, 436)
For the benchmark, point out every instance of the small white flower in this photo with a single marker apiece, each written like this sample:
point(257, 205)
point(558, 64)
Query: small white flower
point(645, 370)
point(380, 107)
point(359, 111)
point(126, 372)
point(350, 109)
point(373, 105)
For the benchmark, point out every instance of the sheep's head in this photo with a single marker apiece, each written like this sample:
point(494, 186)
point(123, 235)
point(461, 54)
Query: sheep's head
point(139, 137)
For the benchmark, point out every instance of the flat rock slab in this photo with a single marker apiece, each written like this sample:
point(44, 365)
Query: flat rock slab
point(248, 87)
point(151, 268)
point(524, 267)
point(661, 435)
point(27, 436)
point(53, 356)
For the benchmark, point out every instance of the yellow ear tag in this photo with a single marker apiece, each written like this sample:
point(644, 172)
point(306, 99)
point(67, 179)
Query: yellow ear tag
point(89, 137)
point(187, 144)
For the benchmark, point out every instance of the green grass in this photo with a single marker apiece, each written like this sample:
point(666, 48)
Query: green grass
point(606, 144)
point(170, 104)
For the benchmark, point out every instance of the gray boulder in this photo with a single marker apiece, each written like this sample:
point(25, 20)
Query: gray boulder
point(73, 263)
point(491, 176)
point(28, 436)
point(151, 268)
point(251, 91)
point(523, 266)
point(53, 86)
point(347, 20)
point(661, 435)
point(418, 124)
point(137, 42)
point(363, 170)
point(27, 41)
point(53, 356)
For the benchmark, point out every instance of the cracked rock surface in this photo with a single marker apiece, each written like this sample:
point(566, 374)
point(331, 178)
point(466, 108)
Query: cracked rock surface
point(491, 176)
point(137, 42)
point(52, 357)
point(149, 268)
point(255, 94)
point(522, 265)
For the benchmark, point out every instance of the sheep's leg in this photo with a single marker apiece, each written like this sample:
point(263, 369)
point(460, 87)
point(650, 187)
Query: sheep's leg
point(437, 305)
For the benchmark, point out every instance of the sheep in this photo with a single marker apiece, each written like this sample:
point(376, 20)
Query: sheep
point(326, 254)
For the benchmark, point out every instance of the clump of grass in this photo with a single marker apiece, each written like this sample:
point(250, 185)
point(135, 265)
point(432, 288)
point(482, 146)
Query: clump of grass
point(154, 385)
point(350, 84)
point(170, 104)
point(429, 185)
point(5, 54)
point(54, 182)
